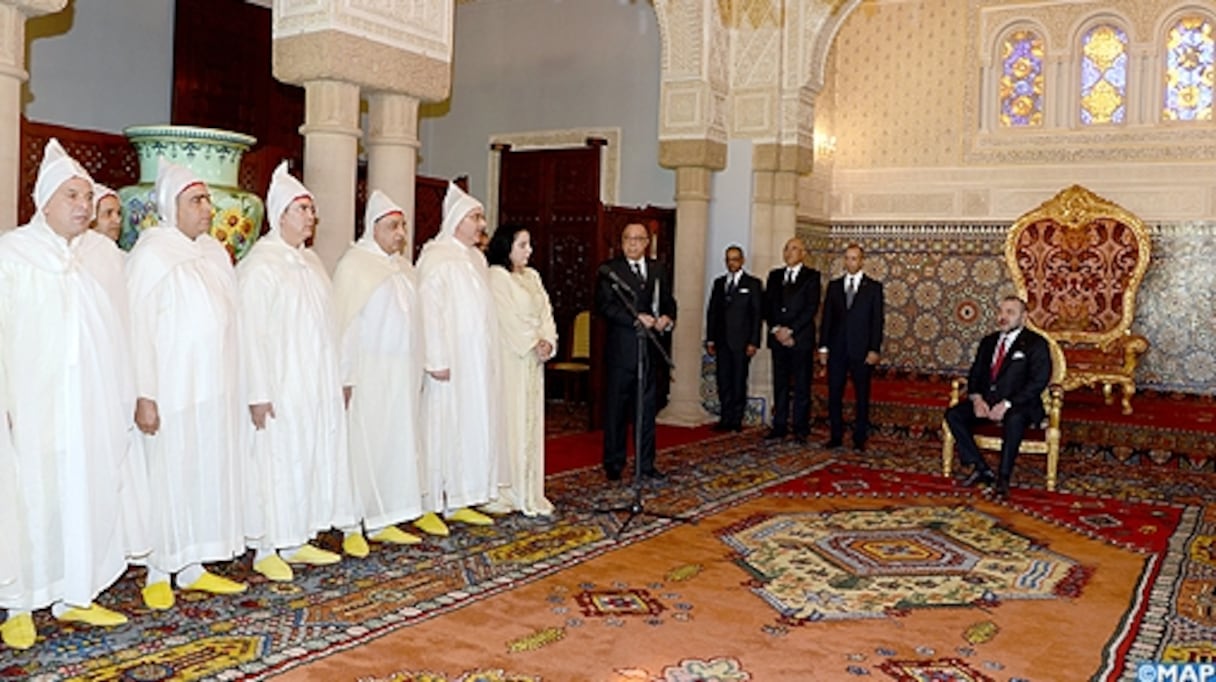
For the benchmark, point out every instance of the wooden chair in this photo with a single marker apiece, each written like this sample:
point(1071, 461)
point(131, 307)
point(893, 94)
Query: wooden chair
point(1041, 439)
point(1078, 260)
point(578, 356)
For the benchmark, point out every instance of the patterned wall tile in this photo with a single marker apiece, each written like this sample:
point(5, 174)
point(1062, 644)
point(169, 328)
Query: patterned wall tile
point(942, 283)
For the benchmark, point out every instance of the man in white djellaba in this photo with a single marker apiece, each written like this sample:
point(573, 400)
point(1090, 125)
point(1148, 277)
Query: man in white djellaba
point(294, 387)
point(464, 433)
point(67, 393)
point(184, 344)
point(107, 212)
point(376, 304)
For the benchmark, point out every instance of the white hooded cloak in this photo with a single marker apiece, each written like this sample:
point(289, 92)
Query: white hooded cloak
point(185, 347)
point(376, 302)
point(73, 487)
point(291, 361)
point(464, 435)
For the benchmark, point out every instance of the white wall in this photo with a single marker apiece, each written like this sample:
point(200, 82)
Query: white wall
point(600, 66)
point(101, 64)
point(730, 209)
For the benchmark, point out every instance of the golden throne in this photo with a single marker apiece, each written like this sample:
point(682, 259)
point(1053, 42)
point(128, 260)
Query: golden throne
point(1078, 260)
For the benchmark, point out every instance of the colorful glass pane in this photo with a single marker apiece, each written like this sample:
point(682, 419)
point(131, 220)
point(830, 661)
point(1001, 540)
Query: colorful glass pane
point(1103, 75)
point(1188, 70)
point(1021, 84)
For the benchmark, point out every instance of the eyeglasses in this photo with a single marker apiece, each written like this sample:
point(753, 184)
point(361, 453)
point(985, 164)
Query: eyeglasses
point(636, 239)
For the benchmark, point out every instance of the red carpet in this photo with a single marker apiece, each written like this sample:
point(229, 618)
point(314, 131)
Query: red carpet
point(1166, 428)
point(574, 451)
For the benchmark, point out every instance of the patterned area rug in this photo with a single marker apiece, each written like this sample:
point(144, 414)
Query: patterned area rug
point(902, 577)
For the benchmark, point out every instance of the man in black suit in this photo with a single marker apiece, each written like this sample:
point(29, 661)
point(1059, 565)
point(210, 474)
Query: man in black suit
point(1012, 367)
point(791, 301)
point(851, 339)
point(647, 285)
point(732, 333)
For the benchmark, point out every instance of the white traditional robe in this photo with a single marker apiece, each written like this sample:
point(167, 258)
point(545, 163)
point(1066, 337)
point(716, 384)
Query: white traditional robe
point(185, 346)
point(291, 350)
point(464, 433)
point(66, 384)
point(525, 318)
point(376, 302)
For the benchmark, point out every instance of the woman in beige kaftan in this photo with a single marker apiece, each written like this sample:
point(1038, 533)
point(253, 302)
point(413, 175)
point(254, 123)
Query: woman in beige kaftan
point(527, 339)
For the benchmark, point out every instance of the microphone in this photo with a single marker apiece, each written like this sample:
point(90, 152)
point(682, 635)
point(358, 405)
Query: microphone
point(607, 271)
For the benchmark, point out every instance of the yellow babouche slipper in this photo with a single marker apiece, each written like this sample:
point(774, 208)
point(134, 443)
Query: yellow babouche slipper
point(18, 631)
point(471, 517)
point(210, 582)
point(93, 615)
point(431, 524)
point(356, 545)
point(158, 596)
point(274, 568)
point(395, 536)
point(313, 556)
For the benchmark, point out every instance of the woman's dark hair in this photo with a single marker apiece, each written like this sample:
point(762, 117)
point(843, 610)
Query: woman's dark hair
point(499, 251)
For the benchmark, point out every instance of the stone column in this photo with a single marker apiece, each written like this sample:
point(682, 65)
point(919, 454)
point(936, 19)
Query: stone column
point(12, 76)
point(331, 147)
point(392, 151)
point(692, 229)
point(774, 221)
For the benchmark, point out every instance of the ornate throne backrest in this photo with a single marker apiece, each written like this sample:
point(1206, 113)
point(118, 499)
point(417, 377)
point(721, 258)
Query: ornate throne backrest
point(1078, 260)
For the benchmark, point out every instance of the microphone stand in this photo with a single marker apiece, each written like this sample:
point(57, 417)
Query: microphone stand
point(636, 507)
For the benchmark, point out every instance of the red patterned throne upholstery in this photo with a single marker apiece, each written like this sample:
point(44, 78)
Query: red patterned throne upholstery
point(1078, 260)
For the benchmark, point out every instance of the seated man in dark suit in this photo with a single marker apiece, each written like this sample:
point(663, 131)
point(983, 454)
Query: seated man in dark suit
point(1012, 367)
point(647, 285)
point(791, 300)
point(732, 333)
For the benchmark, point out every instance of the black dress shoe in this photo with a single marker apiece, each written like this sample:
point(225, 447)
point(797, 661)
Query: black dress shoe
point(832, 443)
point(613, 475)
point(737, 428)
point(859, 446)
point(800, 439)
point(653, 473)
point(1002, 489)
point(774, 434)
point(721, 426)
point(977, 477)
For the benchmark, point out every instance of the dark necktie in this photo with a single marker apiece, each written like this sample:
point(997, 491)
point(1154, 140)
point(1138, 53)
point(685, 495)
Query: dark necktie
point(789, 276)
point(730, 286)
point(849, 292)
point(637, 271)
point(1000, 357)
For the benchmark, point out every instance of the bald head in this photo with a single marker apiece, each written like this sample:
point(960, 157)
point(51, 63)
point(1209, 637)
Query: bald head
point(794, 252)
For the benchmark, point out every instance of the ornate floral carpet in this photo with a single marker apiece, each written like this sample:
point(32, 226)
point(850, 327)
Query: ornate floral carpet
point(801, 565)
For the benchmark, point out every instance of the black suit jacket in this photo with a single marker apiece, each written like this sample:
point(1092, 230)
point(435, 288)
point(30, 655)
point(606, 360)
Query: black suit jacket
point(733, 321)
point(1024, 373)
point(620, 346)
point(794, 306)
point(852, 332)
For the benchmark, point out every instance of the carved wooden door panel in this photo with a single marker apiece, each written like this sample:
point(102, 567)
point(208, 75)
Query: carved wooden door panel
point(555, 193)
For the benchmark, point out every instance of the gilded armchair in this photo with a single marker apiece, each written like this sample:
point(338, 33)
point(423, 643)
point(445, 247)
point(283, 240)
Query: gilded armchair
point(1042, 439)
point(1078, 261)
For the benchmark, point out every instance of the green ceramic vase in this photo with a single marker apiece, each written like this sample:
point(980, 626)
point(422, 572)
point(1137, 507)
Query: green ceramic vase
point(215, 156)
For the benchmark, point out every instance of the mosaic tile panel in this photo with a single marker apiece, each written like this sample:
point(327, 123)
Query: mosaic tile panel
point(942, 282)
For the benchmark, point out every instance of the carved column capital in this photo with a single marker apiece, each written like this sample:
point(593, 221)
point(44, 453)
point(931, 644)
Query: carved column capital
point(392, 120)
point(701, 153)
point(331, 107)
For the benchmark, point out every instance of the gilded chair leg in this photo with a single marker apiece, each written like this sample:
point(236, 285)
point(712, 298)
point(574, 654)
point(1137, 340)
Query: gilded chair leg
point(1107, 394)
point(947, 450)
point(1129, 390)
point(1053, 462)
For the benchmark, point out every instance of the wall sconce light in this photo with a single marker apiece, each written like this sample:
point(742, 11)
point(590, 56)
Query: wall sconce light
point(825, 145)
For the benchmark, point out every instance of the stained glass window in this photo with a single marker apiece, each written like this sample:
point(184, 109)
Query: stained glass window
point(1103, 75)
point(1021, 85)
point(1188, 70)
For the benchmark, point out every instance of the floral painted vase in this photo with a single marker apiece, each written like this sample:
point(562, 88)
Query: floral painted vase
point(215, 156)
